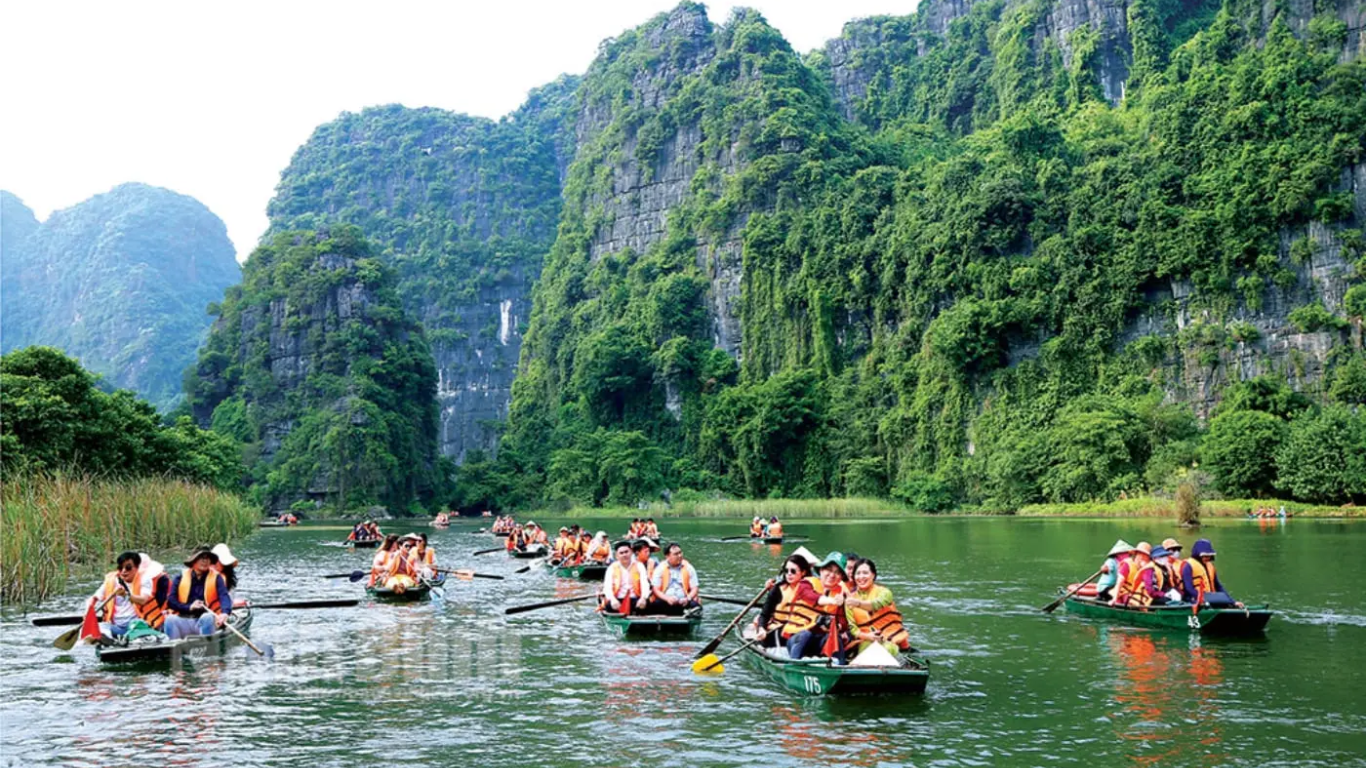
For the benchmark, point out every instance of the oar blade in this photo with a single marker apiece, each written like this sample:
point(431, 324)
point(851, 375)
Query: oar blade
point(710, 648)
point(357, 576)
point(709, 664)
point(67, 640)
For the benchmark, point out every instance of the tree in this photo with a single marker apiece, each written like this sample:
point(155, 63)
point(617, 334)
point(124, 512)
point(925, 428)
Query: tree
point(1324, 457)
point(1240, 452)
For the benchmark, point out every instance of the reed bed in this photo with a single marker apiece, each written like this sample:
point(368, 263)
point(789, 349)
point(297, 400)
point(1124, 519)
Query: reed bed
point(61, 526)
point(784, 509)
point(1155, 507)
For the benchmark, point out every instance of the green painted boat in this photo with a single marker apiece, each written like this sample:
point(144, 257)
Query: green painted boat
point(410, 595)
point(654, 627)
point(1208, 621)
point(822, 677)
point(582, 571)
point(152, 651)
point(538, 550)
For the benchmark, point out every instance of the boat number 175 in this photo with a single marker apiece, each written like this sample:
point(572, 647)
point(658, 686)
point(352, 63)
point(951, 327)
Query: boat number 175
point(1193, 621)
point(813, 684)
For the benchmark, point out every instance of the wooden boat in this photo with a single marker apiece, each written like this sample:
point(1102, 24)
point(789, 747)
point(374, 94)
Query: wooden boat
point(654, 627)
point(536, 550)
point(582, 571)
point(1207, 621)
point(409, 595)
point(773, 539)
point(364, 543)
point(164, 650)
point(273, 524)
point(820, 676)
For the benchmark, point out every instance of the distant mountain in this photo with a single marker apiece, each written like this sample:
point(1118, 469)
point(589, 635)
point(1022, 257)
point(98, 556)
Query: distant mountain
point(120, 281)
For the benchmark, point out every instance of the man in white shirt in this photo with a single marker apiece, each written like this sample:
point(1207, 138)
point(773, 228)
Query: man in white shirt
point(134, 588)
point(626, 586)
point(674, 585)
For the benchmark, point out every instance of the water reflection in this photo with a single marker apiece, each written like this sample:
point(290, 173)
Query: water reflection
point(1167, 696)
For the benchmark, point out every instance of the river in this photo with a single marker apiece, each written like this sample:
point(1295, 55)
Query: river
point(455, 682)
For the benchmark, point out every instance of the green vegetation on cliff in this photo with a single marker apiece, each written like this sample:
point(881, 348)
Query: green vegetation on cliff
point(119, 281)
point(315, 368)
point(987, 296)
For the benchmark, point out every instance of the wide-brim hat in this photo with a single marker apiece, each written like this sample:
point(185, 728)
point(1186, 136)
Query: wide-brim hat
point(564, 529)
point(806, 555)
point(1160, 551)
point(225, 556)
point(836, 558)
point(1171, 545)
point(649, 542)
point(201, 552)
point(1121, 547)
point(1144, 547)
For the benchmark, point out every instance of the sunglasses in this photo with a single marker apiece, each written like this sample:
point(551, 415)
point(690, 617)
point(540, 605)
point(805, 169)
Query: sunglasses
point(791, 570)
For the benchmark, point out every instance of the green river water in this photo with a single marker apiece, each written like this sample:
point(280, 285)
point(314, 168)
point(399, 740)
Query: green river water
point(455, 682)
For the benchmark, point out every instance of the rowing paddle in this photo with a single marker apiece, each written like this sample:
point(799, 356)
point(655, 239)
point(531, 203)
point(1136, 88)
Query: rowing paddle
point(534, 606)
point(706, 665)
point(1054, 605)
point(249, 643)
point(67, 640)
point(468, 574)
point(737, 538)
point(711, 647)
point(309, 603)
point(527, 567)
point(727, 600)
point(486, 551)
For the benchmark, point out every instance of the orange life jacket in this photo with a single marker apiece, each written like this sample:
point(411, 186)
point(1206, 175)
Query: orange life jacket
point(775, 530)
point(793, 616)
point(601, 553)
point(756, 529)
point(612, 583)
point(210, 589)
point(1134, 593)
point(667, 575)
point(150, 612)
point(1202, 575)
point(886, 620)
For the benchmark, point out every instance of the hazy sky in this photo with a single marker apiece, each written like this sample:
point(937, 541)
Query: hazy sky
point(212, 99)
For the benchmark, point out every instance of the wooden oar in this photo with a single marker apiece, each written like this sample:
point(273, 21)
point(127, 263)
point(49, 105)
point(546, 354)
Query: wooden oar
point(527, 567)
point(1054, 605)
point(346, 575)
point(486, 551)
point(467, 574)
point(727, 600)
point(716, 642)
point(67, 640)
point(707, 665)
point(56, 621)
point(308, 604)
point(248, 641)
point(536, 606)
point(738, 538)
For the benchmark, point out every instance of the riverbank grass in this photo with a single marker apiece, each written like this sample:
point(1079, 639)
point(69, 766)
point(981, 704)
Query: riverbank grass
point(61, 527)
point(783, 509)
point(1154, 507)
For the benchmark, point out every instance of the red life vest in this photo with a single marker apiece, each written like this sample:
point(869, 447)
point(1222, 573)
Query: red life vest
point(792, 615)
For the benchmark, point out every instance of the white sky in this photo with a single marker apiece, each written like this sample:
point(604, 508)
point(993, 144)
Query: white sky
point(211, 99)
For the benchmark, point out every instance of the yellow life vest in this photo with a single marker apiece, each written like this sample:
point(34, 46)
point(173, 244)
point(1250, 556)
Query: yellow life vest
point(210, 589)
point(150, 612)
point(886, 620)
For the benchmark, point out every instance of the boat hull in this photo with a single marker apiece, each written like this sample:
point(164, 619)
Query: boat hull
point(530, 553)
point(365, 543)
point(819, 677)
point(1207, 621)
point(411, 595)
point(172, 650)
point(654, 627)
point(582, 571)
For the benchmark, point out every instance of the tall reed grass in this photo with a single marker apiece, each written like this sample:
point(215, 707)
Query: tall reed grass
point(55, 527)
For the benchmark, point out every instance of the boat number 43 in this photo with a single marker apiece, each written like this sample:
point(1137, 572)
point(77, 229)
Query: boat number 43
point(1193, 621)
point(813, 684)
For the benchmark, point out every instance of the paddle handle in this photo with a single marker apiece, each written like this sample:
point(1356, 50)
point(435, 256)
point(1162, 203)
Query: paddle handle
point(1054, 605)
point(552, 603)
point(244, 638)
point(717, 663)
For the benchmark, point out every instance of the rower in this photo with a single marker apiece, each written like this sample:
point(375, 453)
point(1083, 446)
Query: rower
point(625, 587)
point(872, 613)
point(199, 601)
point(783, 615)
point(674, 584)
point(1109, 570)
point(756, 527)
point(139, 593)
point(643, 547)
point(1200, 582)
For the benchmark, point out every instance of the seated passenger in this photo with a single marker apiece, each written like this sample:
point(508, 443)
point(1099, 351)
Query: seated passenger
point(625, 587)
point(872, 613)
point(1109, 571)
point(1200, 582)
point(199, 601)
point(674, 584)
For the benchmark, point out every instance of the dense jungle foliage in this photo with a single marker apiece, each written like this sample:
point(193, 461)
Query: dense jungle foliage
point(943, 301)
point(315, 369)
point(119, 281)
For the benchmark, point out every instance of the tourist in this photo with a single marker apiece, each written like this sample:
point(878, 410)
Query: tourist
point(783, 613)
point(379, 565)
point(651, 530)
point(227, 568)
point(674, 583)
point(198, 602)
point(643, 548)
point(400, 572)
point(599, 551)
point(423, 556)
point(625, 587)
point(1109, 571)
point(872, 613)
point(135, 591)
point(829, 603)
point(756, 527)
point(774, 529)
point(1200, 582)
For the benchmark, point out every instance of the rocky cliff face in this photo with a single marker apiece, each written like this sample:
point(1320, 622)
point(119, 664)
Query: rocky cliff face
point(120, 281)
point(315, 367)
point(464, 209)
